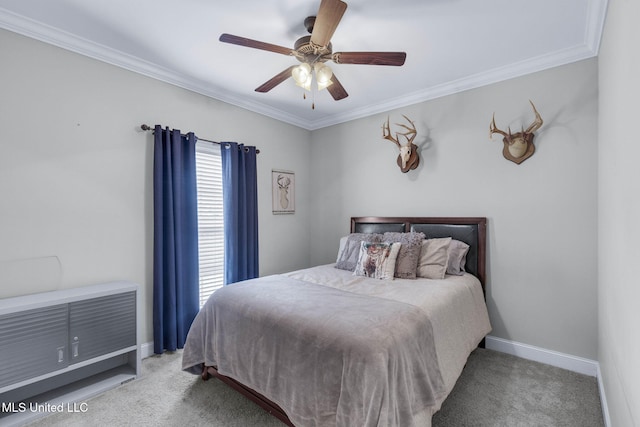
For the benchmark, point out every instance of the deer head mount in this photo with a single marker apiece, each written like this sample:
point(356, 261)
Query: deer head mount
point(283, 187)
point(518, 147)
point(408, 158)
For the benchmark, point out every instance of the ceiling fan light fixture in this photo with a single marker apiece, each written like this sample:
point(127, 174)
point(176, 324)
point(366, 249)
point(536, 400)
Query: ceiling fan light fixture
point(301, 74)
point(323, 75)
point(306, 85)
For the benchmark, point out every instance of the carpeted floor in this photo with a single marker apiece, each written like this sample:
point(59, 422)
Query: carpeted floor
point(495, 389)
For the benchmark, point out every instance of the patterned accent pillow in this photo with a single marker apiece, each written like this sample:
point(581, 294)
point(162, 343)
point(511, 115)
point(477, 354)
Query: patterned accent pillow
point(434, 258)
point(349, 255)
point(407, 262)
point(457, 257)
point(377, 260)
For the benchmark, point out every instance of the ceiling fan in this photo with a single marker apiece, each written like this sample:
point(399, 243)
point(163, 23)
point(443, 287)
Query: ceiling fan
point(314, 50)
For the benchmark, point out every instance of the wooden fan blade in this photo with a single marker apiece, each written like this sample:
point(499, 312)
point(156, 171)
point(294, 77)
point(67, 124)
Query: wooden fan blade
point(276, 80)
point(370, 58)
point(242, 41)
point(329, 16)
point(336, 89)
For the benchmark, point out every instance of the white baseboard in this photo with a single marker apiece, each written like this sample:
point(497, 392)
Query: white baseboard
point(603, 400)
point(542, 355)
point(146, 350)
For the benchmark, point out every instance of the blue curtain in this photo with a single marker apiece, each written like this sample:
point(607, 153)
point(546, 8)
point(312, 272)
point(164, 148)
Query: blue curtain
point(240, 199)
point(175, 252)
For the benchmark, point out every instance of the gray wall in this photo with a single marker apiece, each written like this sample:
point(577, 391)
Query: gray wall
point(76, 171)
point(619, 213)
point(542, 213)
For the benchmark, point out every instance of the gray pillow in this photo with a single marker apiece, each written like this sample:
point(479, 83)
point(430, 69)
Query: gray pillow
point(348, 258)
point(457, 257)
point(407, 260)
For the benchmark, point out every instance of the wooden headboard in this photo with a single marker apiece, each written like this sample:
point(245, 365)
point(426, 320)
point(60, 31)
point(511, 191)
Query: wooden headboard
point(470, 230)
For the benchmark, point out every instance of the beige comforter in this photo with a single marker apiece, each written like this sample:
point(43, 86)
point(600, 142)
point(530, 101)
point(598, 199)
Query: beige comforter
point(333, 349)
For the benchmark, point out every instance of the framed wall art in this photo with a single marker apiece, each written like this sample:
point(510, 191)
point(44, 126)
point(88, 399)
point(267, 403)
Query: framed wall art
point(283, 189)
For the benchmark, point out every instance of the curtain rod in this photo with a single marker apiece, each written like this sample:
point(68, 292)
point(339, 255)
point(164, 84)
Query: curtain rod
point(149, 128)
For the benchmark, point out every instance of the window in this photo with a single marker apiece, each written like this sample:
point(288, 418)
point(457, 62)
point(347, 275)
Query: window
point(210, 218)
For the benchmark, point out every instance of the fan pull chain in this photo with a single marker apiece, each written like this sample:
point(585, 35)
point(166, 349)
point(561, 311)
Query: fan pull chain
point(313, 99)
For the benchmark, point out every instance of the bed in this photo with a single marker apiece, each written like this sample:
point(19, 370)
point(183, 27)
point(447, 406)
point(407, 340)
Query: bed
point(343, 345)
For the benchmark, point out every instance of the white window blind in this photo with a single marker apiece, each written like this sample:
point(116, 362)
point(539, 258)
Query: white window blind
point(210, 218)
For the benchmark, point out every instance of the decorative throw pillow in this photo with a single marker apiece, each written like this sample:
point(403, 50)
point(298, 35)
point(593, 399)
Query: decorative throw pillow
point(407, 262)
point(349, 256)
point(377, 260)
point(434, 258)
point(457, 257)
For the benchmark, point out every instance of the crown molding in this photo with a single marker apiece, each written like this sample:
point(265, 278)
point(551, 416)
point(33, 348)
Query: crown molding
point(596, 14)
point(497, 75)
point(589, 48)
point(56, 37)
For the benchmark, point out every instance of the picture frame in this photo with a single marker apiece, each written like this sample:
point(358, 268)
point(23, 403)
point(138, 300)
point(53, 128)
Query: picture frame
point(283, 192)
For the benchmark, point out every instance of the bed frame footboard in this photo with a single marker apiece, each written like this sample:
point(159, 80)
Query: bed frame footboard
point(254, 396)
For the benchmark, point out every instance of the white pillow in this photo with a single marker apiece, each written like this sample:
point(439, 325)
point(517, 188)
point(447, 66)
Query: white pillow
point(434, 258)
point(377, 260)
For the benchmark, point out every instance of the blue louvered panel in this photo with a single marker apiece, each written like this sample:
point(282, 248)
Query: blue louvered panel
point(101, 325)
point(33, 343)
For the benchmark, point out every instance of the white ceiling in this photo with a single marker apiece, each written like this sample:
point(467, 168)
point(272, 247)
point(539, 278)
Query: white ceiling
point(451, 45)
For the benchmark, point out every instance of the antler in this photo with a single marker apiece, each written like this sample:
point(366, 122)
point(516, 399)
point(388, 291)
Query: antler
point(410, 134)
point(386, 133)
point(536, 123)
point(283, 181)
point(494, 129)
point(410, 130)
